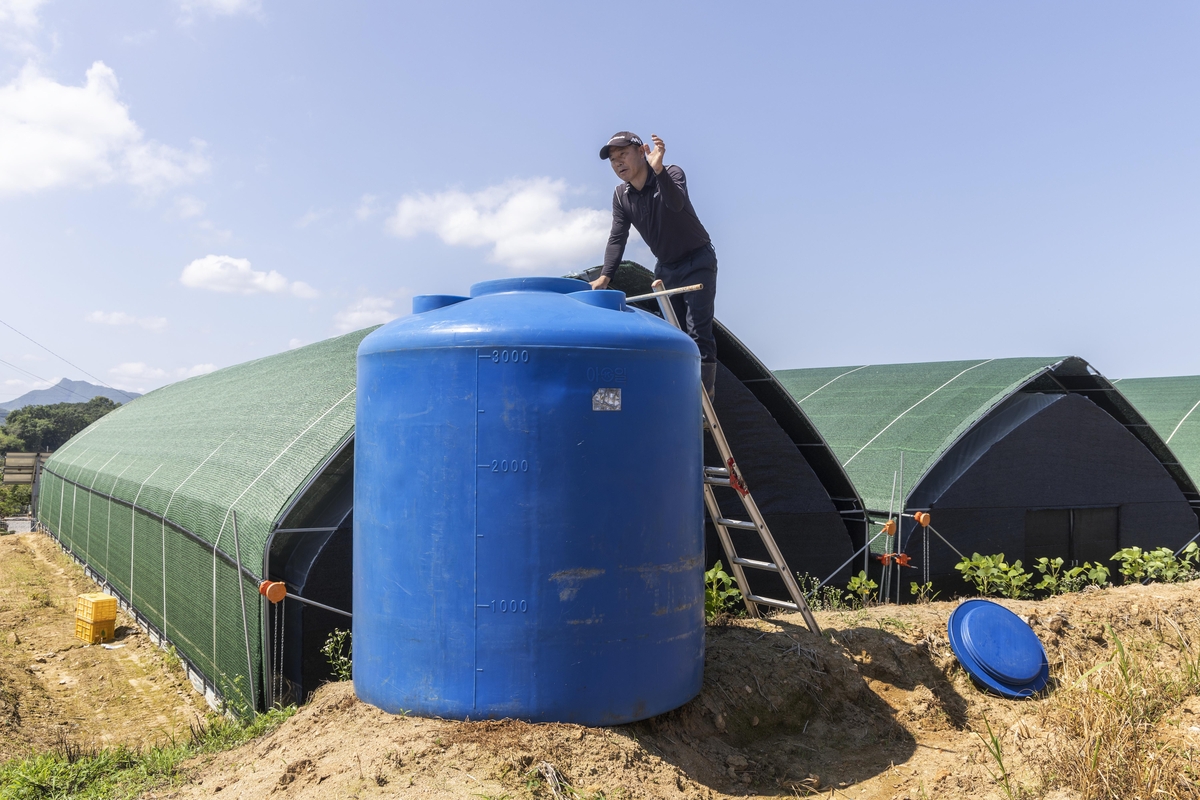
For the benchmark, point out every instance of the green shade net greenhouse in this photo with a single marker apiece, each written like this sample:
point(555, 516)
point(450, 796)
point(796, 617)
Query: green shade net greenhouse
point(165, 497)
point(1172, 407)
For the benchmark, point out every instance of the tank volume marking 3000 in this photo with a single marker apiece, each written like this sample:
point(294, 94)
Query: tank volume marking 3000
point(507, 356)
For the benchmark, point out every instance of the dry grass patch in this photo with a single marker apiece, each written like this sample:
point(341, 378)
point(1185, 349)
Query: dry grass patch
point(1114, 728)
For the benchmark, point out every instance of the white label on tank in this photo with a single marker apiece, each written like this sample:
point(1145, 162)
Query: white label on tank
point(606, 400)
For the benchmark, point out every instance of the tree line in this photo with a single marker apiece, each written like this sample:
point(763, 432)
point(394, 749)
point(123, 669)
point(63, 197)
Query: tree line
point(43, 429)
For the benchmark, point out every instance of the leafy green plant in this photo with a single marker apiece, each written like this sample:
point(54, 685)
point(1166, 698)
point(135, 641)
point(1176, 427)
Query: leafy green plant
point(923, 592)
point(1057, 580)
point(337, 651)
point(862, 588)
point(721, 593)
point(993, 576)
point(1159, 564)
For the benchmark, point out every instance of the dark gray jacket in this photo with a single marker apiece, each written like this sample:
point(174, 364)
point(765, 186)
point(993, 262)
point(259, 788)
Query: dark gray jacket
point(662, 214)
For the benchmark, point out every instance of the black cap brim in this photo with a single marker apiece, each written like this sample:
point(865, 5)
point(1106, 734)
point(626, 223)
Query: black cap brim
point(623, 139)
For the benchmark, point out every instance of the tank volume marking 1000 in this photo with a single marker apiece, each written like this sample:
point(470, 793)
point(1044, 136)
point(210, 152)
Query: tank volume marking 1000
point(506, 606)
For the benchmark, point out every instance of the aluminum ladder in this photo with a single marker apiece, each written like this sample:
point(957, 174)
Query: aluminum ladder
point(730, 476)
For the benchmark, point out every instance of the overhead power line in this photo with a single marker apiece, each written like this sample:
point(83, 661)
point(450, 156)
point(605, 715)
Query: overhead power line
point(43, 380)
point(60, 358)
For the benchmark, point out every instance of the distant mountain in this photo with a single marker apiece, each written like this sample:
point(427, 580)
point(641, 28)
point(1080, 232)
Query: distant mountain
point(65, 391)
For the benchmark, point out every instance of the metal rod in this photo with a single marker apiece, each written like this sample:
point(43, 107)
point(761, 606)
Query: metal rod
point(943, 538)
point(306, 601)
point(237, 549)
point(665, 293)
point(306, 530)
point(865, 548)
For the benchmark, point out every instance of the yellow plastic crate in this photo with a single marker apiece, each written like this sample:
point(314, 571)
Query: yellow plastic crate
point(95, 632)
point(96, 607)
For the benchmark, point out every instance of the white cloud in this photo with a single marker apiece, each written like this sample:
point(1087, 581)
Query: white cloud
point(18, 22)
point(221, 8)
point(136, 376)
point(152, 167)
point(187, 207)
point(121, 318)
point(523, 221)
point(368, 206)
point(235, 276)
point(311, 217)
point(294, 343)
point(366, 312)
point(57, 135)
point(139, 38)
point(137, 370)
point(199, 369)
point(20, 13)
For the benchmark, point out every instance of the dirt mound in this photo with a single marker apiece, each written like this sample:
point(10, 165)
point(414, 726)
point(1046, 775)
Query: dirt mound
point(877, 709)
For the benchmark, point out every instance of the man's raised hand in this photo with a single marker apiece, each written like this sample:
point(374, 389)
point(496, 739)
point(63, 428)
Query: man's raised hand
point(655, 157)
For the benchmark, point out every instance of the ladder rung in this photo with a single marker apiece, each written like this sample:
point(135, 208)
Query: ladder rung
point(764, 565)
point(716, 472)
point(737, 523)
point(717, 481)
point(767, 601)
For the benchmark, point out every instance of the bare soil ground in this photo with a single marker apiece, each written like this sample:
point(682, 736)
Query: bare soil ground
point(880, 710)
point(54, 687)
point(877, 709)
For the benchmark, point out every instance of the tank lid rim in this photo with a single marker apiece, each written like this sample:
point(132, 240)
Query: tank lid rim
point(528, 284)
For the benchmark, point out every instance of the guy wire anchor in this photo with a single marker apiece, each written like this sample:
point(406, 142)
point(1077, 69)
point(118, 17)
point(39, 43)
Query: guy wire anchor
point(730, 476)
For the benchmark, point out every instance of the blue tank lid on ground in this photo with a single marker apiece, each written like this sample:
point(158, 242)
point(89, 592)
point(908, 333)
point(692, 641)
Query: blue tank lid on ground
point(998, 650)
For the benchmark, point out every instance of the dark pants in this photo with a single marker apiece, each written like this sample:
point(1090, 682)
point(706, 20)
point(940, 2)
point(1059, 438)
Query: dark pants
point(694, 309)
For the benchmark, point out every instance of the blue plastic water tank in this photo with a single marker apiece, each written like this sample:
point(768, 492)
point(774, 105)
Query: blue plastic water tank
point(528, 517)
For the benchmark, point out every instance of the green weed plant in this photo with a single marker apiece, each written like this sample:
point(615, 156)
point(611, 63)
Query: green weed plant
point(721, 593)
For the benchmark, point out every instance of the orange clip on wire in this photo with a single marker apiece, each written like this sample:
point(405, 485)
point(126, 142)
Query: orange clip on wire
point(922, 518)
point(274, 591)
point(889, 527)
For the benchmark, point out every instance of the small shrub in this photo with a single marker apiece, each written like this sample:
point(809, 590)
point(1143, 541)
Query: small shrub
point(338, 650)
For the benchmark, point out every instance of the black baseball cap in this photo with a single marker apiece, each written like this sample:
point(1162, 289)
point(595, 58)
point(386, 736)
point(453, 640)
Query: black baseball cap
point(620, 139)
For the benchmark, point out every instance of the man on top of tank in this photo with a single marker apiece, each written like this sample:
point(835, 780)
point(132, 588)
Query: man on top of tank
point(654, 199)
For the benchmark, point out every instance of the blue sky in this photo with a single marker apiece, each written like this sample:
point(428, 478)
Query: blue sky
point(188, 185)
